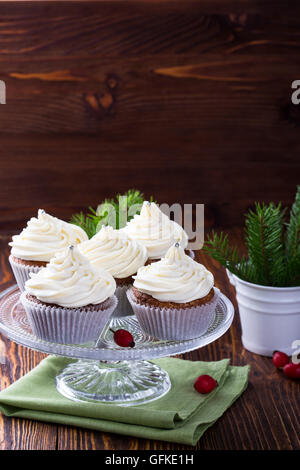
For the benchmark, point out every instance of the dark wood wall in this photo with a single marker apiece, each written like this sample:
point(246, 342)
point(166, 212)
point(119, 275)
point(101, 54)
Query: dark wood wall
point(187, 100)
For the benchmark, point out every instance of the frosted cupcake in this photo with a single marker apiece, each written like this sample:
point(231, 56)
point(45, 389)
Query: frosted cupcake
point(118, 254)
point(174, 298)
point(43, 237)
point(69, 301)
point(153, 229)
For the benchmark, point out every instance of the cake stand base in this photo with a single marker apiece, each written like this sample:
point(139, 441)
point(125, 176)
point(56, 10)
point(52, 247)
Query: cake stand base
point(121, 383)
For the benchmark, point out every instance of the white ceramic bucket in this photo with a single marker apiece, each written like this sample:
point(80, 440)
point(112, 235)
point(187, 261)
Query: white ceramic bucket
point(270, 316)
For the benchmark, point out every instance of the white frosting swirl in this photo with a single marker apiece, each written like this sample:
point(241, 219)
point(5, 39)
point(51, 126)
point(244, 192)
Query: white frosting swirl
point(44, 236)
point(115, 252)
point(70, 280)
point(175, 278)
point(153, 229)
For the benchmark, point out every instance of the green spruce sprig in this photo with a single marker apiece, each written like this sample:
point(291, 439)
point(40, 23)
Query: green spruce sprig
point(292, 242)
point(273, 252)
point(217, 246)
point(264, 240)
point(85, 222)
point(115, 212)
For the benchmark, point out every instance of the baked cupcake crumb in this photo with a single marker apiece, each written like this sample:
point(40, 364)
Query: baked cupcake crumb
point(25, 262)
point(146, 299)
point(123, 281)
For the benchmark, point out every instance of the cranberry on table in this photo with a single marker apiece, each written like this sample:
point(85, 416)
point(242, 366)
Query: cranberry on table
point(280, 359)
point(123, 338)
point(205, 384)
point(292, 370)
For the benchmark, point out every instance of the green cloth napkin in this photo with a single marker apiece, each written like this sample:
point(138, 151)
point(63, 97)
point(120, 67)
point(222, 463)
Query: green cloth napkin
point(182, 415)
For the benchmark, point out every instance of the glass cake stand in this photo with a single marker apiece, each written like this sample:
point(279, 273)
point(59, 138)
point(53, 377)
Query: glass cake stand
point(102, 371)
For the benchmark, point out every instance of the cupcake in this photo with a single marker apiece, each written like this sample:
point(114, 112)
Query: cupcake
point(118, 254)
point(174, 298)
point(69, 301)
point(38, 242)
point(153, 229)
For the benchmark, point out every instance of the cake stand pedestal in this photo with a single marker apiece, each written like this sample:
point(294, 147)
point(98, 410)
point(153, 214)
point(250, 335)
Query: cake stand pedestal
point(120, 382)
point(104, 372)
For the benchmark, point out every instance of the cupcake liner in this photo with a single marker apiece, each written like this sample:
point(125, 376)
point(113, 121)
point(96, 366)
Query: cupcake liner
point(22, 271)
point(173, 323)
point(123, 308)
point(67, 325)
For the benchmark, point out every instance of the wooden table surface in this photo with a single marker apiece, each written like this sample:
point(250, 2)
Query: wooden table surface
point(265, 417)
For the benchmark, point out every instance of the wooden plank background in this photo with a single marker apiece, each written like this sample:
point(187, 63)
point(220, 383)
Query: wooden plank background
point(189, 101)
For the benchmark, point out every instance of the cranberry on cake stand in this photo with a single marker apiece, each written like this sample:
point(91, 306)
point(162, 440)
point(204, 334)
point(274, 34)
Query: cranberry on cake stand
point(103, 371)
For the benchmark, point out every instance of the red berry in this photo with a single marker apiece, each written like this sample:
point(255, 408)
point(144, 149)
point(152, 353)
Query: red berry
point(123, 338)
point(205, 384)
point(280, 359)
point(292, 370)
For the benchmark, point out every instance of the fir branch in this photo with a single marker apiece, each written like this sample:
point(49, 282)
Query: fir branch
point(115, 211)
point(83, 221)
point(217, 246)
point(112, 212)
point(292, 242)
point(264, 240)
point(273, 257)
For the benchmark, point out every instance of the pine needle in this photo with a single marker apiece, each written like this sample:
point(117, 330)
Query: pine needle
point(273, 255)
point(115, 212)
point(217, 246)
point(293, 242)
point(85, 223)
point(264, 240)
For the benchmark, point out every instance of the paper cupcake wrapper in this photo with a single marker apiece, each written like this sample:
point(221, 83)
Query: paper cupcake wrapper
point(22, 271)
point(123, 308)
point(67, 325)
point(174, 324)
